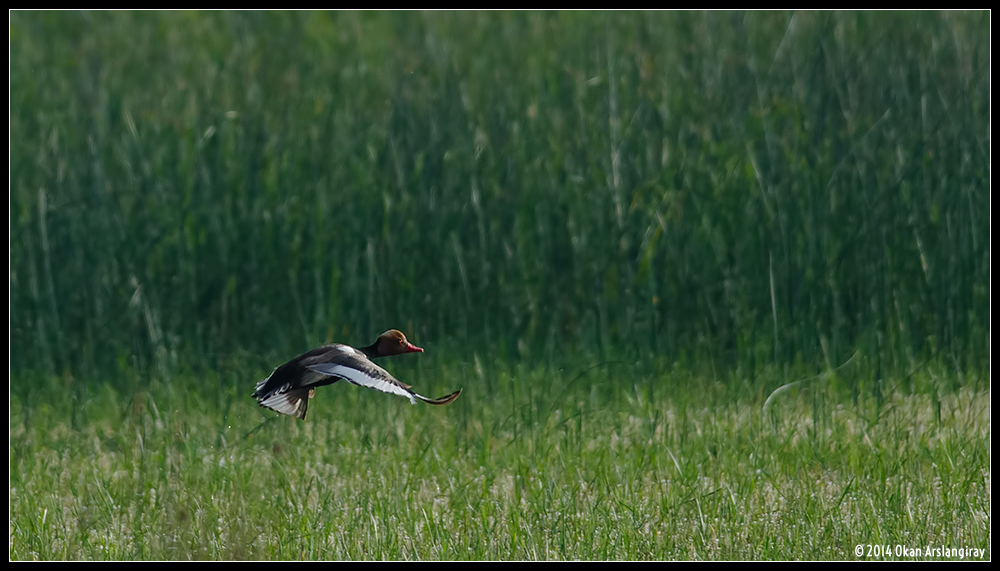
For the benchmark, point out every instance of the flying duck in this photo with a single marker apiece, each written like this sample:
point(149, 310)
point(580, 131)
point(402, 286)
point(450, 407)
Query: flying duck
point(288, 389)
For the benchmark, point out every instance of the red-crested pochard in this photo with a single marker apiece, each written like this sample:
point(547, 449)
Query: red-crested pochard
point(288, 389)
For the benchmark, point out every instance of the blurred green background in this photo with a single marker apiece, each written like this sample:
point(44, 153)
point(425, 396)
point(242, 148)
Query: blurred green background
point(226, 189)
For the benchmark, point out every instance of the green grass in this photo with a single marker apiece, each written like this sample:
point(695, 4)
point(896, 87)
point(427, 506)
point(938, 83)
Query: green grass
point(549, 464)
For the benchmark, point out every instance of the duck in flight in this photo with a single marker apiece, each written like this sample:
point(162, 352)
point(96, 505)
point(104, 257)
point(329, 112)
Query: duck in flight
point(288, 389)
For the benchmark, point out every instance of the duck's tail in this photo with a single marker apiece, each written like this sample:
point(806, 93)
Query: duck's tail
point(291, 402)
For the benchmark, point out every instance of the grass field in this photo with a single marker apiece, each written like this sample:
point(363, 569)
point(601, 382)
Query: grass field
point(716, 284)
point(545, 464)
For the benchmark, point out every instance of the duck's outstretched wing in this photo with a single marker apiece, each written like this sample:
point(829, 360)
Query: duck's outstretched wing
point(364, 373)
point(369, 375)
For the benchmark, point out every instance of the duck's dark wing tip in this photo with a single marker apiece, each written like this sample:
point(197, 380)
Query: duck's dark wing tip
point(443, 400)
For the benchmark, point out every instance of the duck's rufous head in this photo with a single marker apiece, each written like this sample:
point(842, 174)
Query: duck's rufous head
point(393, 342)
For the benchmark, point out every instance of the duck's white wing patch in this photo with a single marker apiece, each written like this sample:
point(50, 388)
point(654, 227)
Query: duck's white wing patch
point(350, 351)
point(374, 378)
